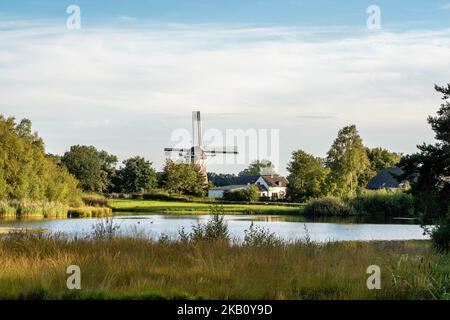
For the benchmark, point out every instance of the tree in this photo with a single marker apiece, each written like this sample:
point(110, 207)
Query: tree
point(307, 177)
point(429, 170)
point(137, 175)
point(26, 172)
point(252, 193)
point(381, 158)
point(94, 169)
point(348, 161)
point(182, 178)
point(258, 167)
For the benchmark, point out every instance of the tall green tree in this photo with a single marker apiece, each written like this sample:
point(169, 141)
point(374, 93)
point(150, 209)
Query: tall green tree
point(258, 167)
point(137, 175)
point(307, 177)
point(382, 158)
point(93, 168)
point(182, 178)
point(26, 172)
point(348, 161)
point(429, 169)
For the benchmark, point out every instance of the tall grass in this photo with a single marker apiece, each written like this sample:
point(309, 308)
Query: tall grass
point(30, 208)
point(34, 267)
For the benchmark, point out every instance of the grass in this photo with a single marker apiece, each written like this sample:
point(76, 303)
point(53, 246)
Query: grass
point(32, 208)
point(178, 207)
point(34, 267)
point(89, 212)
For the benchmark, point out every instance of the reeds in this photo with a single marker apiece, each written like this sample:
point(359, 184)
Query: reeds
point(31, 208)
point(34, 267)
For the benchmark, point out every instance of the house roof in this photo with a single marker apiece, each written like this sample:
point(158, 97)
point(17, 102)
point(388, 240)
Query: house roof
point(250, 179)
point(387, 178)
point(230, 187)
point(275, 181)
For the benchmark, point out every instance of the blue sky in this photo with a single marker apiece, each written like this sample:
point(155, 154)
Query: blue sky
point(129, 79)
point(413, 13)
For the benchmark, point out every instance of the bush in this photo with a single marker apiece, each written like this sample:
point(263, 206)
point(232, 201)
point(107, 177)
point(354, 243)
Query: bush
point(238, 195)
point(328, 206)
point(164, 196)
point(251, 194)
point(96, 201)
point(383, 203)
point(216, 229)
point(89, 212)
point(440, 235)
point(260, 237)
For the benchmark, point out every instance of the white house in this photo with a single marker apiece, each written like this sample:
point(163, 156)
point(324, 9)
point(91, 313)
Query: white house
point(270, 186)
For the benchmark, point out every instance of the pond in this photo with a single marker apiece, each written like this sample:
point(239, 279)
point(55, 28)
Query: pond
point(286, 227)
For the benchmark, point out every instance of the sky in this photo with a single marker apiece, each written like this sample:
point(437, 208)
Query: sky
point(129, 78)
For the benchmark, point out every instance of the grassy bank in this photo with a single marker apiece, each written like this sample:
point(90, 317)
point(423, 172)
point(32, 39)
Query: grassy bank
point(154, 206)
point(15, 209)
point(34, 267)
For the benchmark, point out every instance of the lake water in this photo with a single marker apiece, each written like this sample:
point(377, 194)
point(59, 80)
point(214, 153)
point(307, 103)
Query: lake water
point(286, 227)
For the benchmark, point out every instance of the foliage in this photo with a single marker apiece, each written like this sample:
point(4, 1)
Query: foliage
point(236, 195)
point(89, 212)
point(216, 229)
point(95, 200)
point(307, 177)
point(386, 203)
point(259, 167)
point(257, 236)
point(94, 169)
point(105, 229)
point(136, 176)
point(182, 178)
point(250, 194)
point(348, 161)
point(429, 169)
point(27, 208)
point(328, 206)
point(440, 234)
point(26, 173)
point(382, 159)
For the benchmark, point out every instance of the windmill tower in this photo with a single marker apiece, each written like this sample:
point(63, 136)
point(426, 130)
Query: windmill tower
point(197, 154)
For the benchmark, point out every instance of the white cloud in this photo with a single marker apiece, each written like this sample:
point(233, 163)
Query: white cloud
point(144, 81)
point(445, 7)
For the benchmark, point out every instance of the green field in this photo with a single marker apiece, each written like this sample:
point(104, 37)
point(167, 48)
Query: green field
point(34, 267)
point(179, 207)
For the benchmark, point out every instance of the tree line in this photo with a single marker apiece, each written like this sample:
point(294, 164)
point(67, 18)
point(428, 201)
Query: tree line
point(27, 172)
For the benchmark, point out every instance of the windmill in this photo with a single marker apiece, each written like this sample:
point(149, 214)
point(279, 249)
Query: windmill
point(198, 153)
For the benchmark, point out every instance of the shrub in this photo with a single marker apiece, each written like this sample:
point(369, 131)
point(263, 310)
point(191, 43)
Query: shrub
point(96, 201)
point(260, 237)
point(105, 229)
point(440, 235)
point(89, 212)
point(250, 194)
point(383, 203)
point(216, 229)
point(328, 206)
point(163, 195)
point(238, 195)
